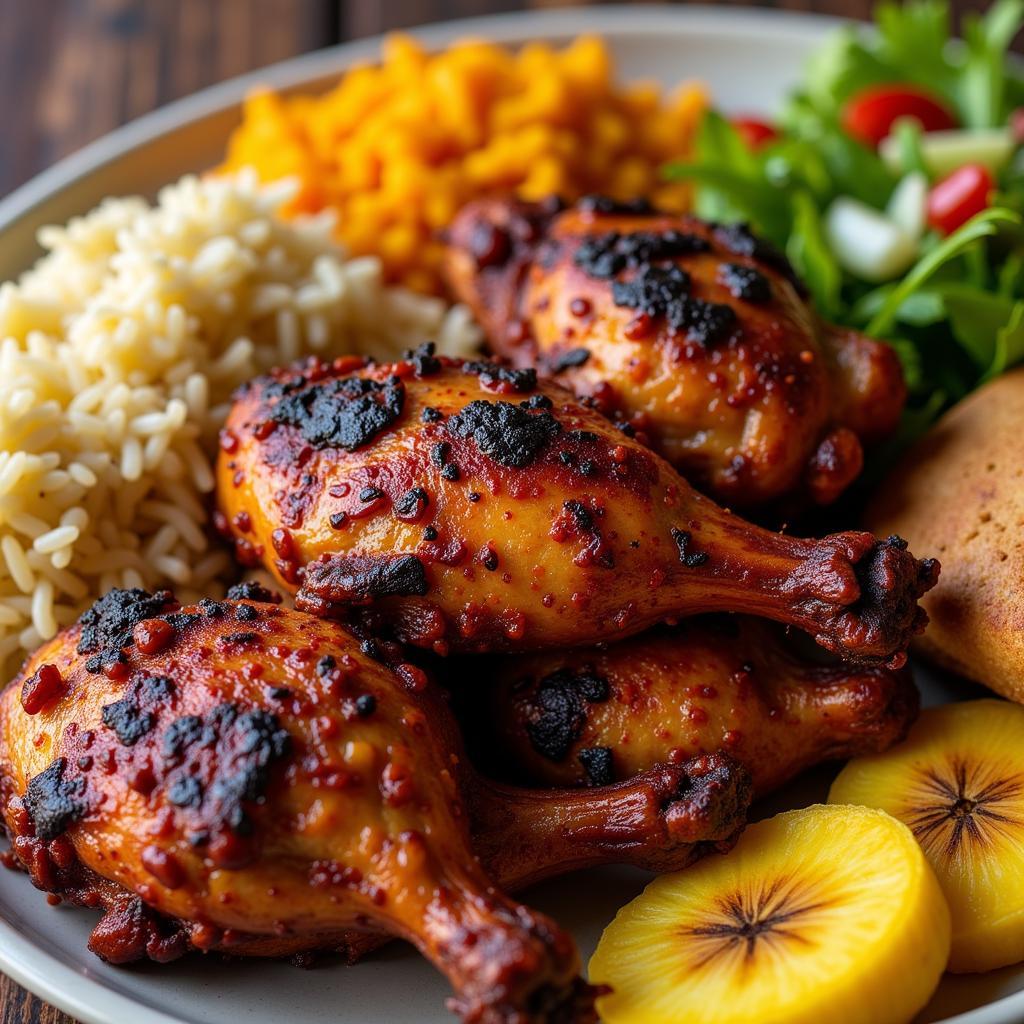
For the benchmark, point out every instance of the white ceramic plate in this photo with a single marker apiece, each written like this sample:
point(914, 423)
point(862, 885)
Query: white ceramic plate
point(749, 59)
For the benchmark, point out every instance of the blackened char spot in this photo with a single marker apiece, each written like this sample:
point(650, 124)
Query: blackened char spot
point(580, 513)
point(242, 639)
point(537, 402)
point(663, 292)
point(366, 578)
point(605, 256)
point(133, 716)
point(440, 453)
point(747, 283)
point(582, 436)
point(690, 558)
point(54, 801)
point(424, 362)
point(181, 734)
point(249, 743)
point(509, 434)
point(412, 504)
point(605, 204)
point(558, 710)
point(597, 763)
point(253, 591)
point(366, 704)
point(492, 374)
point(223, 762)
point(107, 626)
point(571, 359)
point(182, 620)
point(346, 413)
point(740, 240)
point(185, 791)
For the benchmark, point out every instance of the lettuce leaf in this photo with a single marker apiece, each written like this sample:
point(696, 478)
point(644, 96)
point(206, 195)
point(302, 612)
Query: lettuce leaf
point(811, 257)
point(982, 91)
point(983, 225)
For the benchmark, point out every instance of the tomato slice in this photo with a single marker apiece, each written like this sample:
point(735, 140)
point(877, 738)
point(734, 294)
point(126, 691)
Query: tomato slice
point(871, 113)
point(959, 196)
point(754, 132)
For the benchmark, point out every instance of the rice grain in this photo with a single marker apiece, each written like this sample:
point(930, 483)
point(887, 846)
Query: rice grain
point(119, 352)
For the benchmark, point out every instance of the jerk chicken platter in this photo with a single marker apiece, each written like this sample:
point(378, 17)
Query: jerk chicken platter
point(361, 589)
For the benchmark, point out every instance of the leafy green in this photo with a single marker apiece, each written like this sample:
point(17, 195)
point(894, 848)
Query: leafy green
point(811, 257)
point(981, 92)
point(915, 37)
point(1009, 348)
point(732, 179)
point(976, 317)
point(981, 226)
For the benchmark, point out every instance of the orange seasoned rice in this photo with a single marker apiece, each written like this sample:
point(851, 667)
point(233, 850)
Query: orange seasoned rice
point(397, 148)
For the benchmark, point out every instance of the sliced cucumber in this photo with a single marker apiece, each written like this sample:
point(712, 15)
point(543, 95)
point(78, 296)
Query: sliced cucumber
point(866, 243)
point(944, 152)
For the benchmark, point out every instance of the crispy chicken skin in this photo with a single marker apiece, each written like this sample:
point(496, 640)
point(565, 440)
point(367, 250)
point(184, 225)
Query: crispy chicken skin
point(467, 507)
point(237, 776)
point(593, 715)
point(724, 367)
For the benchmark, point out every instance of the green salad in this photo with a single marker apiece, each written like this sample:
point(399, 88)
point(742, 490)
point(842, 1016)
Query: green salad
point(894, 181)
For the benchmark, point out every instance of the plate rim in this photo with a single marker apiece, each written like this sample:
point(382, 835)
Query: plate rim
point(88, 999)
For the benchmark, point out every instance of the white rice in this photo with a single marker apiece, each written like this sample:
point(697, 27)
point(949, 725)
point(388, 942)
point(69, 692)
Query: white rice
point(119, 352)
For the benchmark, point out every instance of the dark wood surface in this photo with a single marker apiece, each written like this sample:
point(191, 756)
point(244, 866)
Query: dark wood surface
point(71, 70)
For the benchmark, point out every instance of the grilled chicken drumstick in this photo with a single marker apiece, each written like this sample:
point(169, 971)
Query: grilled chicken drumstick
point(233, 775)
point(697, 334)
point(593, 715)
point(471, 508)
point(661, 820)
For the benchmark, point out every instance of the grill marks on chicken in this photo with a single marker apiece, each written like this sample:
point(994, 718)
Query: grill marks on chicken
point(708, 684)
point(696, 335)
point(539, 524)
point(285, 791)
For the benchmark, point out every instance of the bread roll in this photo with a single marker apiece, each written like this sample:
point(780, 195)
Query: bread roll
point(959, 496)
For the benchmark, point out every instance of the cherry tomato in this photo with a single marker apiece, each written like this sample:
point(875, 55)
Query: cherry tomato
point(959, 196)
point(870, 114)
point(754, 132)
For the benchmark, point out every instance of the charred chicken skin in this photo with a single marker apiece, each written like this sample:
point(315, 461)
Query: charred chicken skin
point(698, 335)
point(237, 776)
point(591, 716)
point(469, 507)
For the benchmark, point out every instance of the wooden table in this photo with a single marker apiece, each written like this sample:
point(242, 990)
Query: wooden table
point(71, 70)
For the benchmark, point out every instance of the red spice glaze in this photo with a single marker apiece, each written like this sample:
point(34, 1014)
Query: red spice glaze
point(153, 635)
point(46, 684)
point(743, 414)
point(624, 540)
point(705, 685)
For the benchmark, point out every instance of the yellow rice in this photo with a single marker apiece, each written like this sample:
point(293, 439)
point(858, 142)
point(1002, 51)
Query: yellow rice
point(397, 148)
